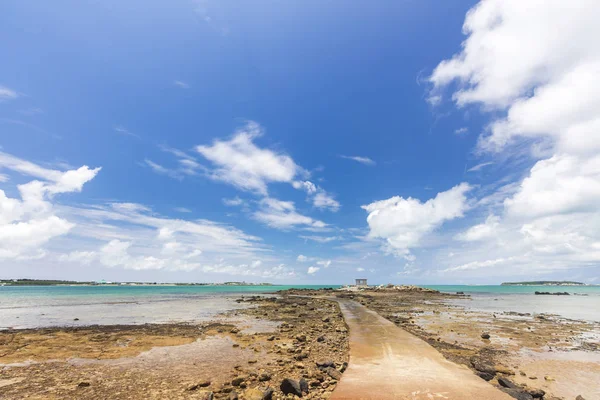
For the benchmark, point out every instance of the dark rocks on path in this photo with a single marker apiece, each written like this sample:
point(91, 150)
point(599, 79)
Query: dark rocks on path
point(233, 396)
point(482, 366)
point(485, 376)
point(334, 373)
point(507, 383)
point(579, 397)
point(290, 386)
point(265, 376)
point(517, 394)
point(201, 384)
point(257, 394)
point(237, 381)
point(485, 335)
point(325, 364)
point(83, 384)
point(536, 393)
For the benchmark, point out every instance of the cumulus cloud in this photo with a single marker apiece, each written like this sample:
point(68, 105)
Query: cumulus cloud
point(540, 82)
point(283, 215)
point(323, 200)
point(404, 222)
point(29, 223)
point(312, 270)
point(240, 162)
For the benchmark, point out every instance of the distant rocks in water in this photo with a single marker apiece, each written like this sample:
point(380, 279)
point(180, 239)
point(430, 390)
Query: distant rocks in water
point(552, 293)
point(390, 287)
point(460, 292)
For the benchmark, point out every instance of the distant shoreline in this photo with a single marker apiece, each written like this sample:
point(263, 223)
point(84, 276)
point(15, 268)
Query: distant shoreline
point(545, 283)
point(49, 282)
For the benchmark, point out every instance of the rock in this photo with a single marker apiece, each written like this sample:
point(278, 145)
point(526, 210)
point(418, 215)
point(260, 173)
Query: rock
point(268, 394)
point(84, 384)
point(552, 293)
point(237, 381)
point(201, 384)
point(503, 370)
point(482, 366)
point(290, 386)
point(75, 319)
point(507, 383)
point(325, 364)
point(252, 361)
point(257, 394)
point(233, 395)
point(234, 330)
point(271, 338)
point(549, 378)
point(536, 393)
point(321, 339)
point(579, 397)
point(485, 375)
point(334, 373)
point(265, 376)
point(326, 319)
point(303, 385)
point(301, 338)
point(485, 335)
point(517, 394)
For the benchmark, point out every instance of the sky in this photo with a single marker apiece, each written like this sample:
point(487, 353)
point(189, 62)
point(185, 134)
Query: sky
point(311, 142)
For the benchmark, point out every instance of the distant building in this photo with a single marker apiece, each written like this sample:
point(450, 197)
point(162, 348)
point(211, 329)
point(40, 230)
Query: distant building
point(361, 282)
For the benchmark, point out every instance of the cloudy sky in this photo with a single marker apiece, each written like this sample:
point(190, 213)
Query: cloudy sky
point(412, 141)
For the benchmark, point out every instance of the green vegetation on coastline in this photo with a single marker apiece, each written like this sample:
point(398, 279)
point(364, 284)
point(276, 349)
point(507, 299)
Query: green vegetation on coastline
point(544, 283)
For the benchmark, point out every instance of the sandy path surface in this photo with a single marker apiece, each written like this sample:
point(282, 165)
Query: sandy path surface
point(386, 362)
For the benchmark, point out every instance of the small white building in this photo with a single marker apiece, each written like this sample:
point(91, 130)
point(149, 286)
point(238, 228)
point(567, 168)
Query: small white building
point(361, 282)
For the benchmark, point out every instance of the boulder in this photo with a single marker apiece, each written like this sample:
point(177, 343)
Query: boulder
point(201, 384)
point(485, 335)
point(233, 395)
point(482, 366)
point(507, 383)
point(325, 364)
point(334, 373)
point(265, 376)
point(257, 394)
point(485, 375)
point(237, 381)
point(536, 393)
point(303, 385)
point(517, 394)
point(290, 386)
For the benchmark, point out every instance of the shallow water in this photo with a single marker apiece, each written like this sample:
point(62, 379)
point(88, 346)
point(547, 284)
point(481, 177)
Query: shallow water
point(45, 306)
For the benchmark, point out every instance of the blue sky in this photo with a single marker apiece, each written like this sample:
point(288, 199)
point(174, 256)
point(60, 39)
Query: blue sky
point(298, 142)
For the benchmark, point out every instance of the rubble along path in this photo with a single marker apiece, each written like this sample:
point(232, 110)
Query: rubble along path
point(387, 362)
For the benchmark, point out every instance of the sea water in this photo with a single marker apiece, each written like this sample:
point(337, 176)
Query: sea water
point(43, 306)
point(583, 302)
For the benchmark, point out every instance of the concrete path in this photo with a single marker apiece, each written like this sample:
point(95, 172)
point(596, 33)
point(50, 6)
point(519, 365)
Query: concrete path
point(386, 362)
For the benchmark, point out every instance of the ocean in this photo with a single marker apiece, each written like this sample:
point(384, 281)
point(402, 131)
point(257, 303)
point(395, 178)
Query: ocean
point(45, 306)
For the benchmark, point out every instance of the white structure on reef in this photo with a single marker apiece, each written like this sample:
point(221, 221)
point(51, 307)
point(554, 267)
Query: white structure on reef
point(361, 282)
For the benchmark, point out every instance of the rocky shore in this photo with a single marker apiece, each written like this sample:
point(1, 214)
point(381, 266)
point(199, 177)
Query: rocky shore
point(301, 351)
point(295, 344)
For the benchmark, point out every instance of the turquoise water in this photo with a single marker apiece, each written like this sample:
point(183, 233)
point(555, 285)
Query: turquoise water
point(38, 306)
point(589, 290)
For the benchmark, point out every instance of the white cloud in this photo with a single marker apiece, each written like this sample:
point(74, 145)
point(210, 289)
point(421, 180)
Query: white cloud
point(321, 239)
point(124, 131)
point(181, 84)
point(360, 269)
point(4, 178)
point(283, 215)
point(182, 210)
point(481, 231)
point(235, 202)
point(479, 167)
point(404, 222)
point(7, 94)
point(535, 67)
point(324, 200)
point(308, 186)
point(239, 162)
point(312, 270)
point(79, 257)
point(461, 131)
point(359, 159)
point(302, 258)
point(161, 170)
point(29, 223)
point(324, 263)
